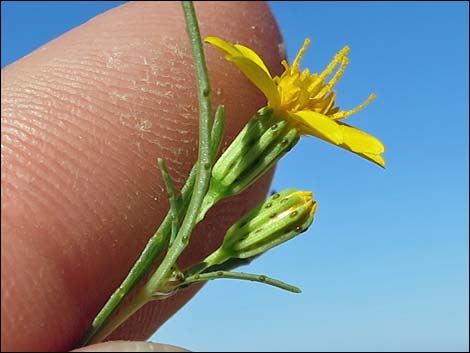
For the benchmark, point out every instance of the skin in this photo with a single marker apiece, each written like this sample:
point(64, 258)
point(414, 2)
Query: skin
point(83, 120)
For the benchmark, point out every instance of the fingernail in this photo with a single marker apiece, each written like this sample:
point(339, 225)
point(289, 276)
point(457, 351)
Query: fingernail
point(130, 346)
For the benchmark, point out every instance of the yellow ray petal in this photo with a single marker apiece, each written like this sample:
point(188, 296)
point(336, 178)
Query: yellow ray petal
point(377, 159)
point(259, 77)
point(251, 65)
point(363, 144)
point(250, 54)
point(340, 134)
point(234, 50)
point(319, 125)
point(226, 47)
point(360, 141)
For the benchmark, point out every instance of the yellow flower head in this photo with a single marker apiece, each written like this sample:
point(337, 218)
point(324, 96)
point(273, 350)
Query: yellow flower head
point(306, 100)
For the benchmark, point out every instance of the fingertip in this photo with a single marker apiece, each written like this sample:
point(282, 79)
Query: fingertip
point(83, 120)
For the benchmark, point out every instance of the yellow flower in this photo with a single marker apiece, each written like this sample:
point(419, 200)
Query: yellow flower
point(306, 100)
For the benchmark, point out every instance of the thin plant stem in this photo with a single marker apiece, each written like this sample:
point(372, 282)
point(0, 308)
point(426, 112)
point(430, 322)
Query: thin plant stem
point(121, 316)
point(204, 163)
point(151, 252)
point(241, 276)
point(158, 241)
point(201, 183)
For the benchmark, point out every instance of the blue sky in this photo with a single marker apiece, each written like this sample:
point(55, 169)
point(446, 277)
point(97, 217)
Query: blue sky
point(385, 264)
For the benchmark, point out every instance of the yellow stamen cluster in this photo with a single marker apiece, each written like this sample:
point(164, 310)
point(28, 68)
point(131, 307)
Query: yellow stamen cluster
point(304, 91)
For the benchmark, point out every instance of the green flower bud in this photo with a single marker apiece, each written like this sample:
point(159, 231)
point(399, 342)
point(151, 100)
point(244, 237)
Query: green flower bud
point(280, 218)
point(260, 144)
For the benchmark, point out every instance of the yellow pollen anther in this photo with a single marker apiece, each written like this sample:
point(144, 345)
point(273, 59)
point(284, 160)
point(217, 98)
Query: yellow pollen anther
point(304, 75)
point(301, 53)
point(335, 79)
point(330, 100)
point(285, 64)
point(344, 114)
point(329, 69)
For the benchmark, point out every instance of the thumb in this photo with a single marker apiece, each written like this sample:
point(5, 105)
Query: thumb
point(83, 120)
point(130, 346)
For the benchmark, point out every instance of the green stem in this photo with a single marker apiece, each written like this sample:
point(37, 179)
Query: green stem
point(151, 252)
point(203, 169)
point(121, 316)
point(199, 179)
point(157, 242)
point(242, 276)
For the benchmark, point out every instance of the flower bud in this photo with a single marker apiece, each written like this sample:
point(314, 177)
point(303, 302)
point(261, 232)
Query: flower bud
point(260, 144)
point(281, 217)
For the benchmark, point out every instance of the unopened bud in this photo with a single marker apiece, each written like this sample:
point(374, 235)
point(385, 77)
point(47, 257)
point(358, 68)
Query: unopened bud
point(281, 217)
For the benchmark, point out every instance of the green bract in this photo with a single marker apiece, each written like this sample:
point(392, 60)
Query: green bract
point(261, 143)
